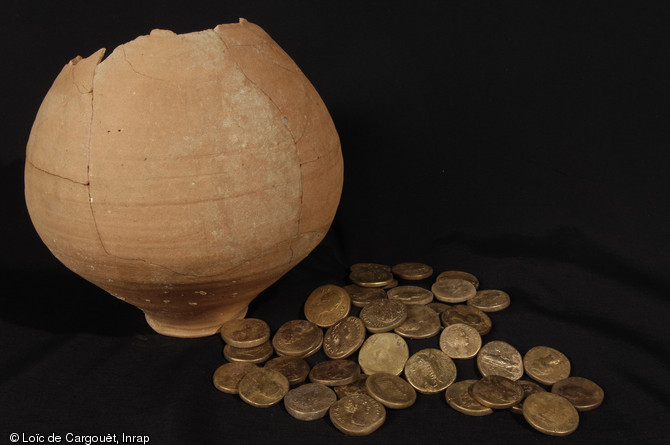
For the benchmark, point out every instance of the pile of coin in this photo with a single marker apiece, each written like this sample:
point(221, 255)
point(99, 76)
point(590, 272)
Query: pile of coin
point(356, 393)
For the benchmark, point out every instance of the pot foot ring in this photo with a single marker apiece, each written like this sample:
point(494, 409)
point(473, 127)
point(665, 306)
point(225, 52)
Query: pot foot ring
point(193, 329)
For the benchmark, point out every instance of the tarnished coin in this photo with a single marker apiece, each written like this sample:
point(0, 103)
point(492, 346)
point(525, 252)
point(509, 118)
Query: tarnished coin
point(383, 315)
point(490, 300)
point(412, 271)
point(529, 388)
point(356, 387)
point(310, 401)
point(497, 392)
point(438, 307)
point(386, 352)
point(546, 365)
point(245, 333)
point(263, 387)
point(360, 296)
point(344, 337)
point(430, 371)
point(370, 276)
point(469, 315)
point(257, 354)
point(453, 290)
point(550, 414)
point(357, 415)
point(460, 341)
point(298, 338)
point(327, 305)
point(459, 398)
point(421, 322)
point(459, 274)
point(227, 377)
point(500, 358)
point(390, 390)
point(410, 295)
point(366, 266)
point(295, 369)
point(335, 372)
point(583, 393)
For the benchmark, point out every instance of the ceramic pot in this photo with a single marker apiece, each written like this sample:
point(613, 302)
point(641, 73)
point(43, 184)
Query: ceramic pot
point(184, 173)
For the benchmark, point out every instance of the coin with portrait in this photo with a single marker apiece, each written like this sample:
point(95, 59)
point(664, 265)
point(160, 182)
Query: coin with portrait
point(344, 337)
point(546, 365)
point(327, 305)
point(583, 393)
point(357, 415)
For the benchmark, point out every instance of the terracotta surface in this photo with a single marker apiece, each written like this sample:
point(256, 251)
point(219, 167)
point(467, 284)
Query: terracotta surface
point(185, 173)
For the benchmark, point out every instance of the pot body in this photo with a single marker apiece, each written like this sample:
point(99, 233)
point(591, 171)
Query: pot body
point(184, 173)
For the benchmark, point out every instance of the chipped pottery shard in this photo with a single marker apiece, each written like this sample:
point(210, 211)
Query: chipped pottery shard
point(197, 168)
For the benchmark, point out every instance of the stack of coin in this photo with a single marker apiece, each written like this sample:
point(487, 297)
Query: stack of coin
point(370, 368)
point(247, 340)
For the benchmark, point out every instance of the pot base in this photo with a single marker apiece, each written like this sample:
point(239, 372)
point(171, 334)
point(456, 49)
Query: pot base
point(199, 328)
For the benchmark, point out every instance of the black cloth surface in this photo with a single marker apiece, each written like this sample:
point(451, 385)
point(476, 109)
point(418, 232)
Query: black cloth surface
point(526, 143)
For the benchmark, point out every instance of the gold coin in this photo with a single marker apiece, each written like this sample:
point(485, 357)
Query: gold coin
point(357, 415)
point(257, 354)
point(438, 307)
point(584, 394)
point(529, 388)
point(310, 401)
point(263, 387)
point(412, 271)
point(490, 300)
point(410, 295)
point(344, 337)
point(360, 296)
point(295, 369)
point(371, 276)
point(245, 333)
point(298, 338)
point(453, 290)
point(546, 365)
point(459, 398)
point(227, 377)
point(430, 371)
point(497, 392)
point(500, 358)
point(365, 266)
point(390, 390)
point(550, 414)
point(335, 372)
point(356, 387)
point(467, 315)
point(460, 341)
point(386, 352)
point(421, 322)
point(327, 305)
point(383, 315)
point(459, 274)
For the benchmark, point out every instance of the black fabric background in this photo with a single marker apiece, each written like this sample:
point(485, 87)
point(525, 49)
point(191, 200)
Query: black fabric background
point(526, 143)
